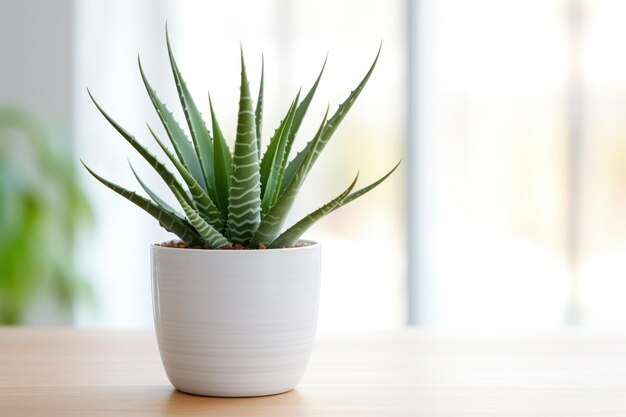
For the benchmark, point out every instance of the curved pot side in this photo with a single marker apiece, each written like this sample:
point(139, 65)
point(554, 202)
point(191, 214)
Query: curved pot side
point(235, 323)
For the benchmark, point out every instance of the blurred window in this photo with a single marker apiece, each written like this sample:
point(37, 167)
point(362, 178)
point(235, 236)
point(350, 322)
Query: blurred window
point(519, 156)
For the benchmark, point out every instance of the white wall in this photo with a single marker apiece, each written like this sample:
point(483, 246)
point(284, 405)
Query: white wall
point(36, 40)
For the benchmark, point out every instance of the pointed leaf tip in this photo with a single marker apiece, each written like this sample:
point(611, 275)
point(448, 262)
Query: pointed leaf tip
point(291, 235)
point(243, 63)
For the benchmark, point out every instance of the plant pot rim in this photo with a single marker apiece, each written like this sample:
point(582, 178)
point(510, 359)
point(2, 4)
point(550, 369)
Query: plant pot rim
point(310, 244)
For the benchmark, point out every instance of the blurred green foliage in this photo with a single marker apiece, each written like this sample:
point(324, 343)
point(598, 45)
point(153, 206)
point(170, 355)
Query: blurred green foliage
point(41, 207)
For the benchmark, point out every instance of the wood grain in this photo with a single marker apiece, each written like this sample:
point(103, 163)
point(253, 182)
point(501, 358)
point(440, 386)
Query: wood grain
point(64, 372)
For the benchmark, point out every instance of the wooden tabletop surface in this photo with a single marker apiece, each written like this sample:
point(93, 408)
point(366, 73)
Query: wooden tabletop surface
point(64, 372)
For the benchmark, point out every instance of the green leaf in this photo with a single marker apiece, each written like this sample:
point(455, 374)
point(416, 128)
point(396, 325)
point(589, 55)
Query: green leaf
point(258, 113)
point(244, 203)
point(332, 125)
point(364, 190)
point(223, 164)
point(273, 221)
point(183, 147)
point(158, 200)
point(159, 167)
point(273, 162)
point(167, 220)
point(201, 139)
point(201, 200)
point(291, 235)
point(211, 237)
point(301, 112)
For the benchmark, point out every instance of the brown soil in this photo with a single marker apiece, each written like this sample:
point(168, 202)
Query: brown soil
point(182, 245)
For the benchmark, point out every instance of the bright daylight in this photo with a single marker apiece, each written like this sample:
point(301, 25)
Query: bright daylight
point(312, 208)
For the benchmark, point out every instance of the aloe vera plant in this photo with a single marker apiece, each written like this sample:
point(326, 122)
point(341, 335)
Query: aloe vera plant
point(238, 198)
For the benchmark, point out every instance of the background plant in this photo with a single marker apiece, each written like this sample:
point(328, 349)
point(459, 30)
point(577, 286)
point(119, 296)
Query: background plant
point(239, 197)
point(41, 207)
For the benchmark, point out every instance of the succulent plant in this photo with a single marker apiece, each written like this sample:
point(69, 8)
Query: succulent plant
point(238, 198)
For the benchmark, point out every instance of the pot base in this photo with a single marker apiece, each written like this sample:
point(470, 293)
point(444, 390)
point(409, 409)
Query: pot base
point(212, 394)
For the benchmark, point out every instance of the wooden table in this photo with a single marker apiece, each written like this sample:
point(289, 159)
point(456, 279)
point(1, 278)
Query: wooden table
point(64, 372)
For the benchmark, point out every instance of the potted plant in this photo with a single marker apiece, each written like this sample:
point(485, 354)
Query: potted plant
point(235, 299)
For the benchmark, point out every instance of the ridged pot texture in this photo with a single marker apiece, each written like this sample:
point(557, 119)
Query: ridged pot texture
point(235, 323)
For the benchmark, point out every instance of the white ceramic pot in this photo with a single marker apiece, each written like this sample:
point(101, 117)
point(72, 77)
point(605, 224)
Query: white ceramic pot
point(235, 323)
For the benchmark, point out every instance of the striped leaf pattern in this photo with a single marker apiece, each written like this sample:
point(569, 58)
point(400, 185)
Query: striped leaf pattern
point(211, 237)
point(158, 200)
point(273, 221)
point(235, 198)
point(167, 220)
point(183, 147)
point(244, 205)
point(200, 199)
point(200, 135)
point(290, 236)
